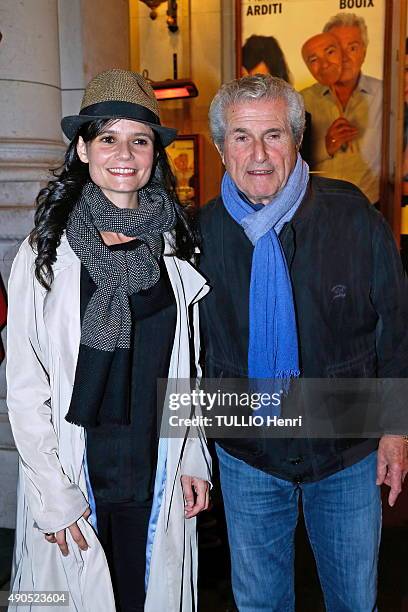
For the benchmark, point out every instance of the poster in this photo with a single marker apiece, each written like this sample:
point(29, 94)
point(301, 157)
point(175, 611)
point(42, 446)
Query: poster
point(291, 24)
point(183, 153)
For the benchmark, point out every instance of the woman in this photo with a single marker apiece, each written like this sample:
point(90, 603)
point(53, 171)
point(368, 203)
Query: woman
point(263, 55)
point(98, 310)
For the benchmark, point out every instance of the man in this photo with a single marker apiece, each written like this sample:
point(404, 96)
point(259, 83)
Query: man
point(346, 119)
point(274, 311)
point(322, 55)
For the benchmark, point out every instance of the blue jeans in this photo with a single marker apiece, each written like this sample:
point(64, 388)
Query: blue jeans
point(343, 520)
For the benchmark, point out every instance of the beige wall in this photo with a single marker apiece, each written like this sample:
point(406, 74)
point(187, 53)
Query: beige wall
point(49, 50)
point(156, 44)
point(206, 54)
point(199, 49)
point(103, 23)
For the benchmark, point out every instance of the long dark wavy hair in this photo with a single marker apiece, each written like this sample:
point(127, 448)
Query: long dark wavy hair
point(265, 49)
point(56, 201)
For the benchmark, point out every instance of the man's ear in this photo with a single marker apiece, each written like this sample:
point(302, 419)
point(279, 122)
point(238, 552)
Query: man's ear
point(221, 153)
point(81, 150)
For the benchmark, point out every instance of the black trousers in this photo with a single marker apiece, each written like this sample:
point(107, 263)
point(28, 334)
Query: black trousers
point(122, 530)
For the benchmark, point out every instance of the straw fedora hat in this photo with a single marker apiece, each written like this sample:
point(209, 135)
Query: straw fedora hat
point(119, 94)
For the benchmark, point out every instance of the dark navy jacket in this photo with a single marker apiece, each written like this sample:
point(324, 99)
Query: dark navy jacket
point(351, 302)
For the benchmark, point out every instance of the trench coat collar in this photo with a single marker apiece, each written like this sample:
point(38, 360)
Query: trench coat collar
point(194, 284)
point(62, 304)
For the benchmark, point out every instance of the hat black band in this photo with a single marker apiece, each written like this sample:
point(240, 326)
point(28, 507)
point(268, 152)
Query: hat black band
point(120, 109)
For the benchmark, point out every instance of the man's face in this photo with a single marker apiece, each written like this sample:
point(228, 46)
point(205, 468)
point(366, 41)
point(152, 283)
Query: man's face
point(353, 49)
point(259, 150)
point(323, 57)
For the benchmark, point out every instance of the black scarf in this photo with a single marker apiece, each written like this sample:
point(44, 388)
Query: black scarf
point(107, 323)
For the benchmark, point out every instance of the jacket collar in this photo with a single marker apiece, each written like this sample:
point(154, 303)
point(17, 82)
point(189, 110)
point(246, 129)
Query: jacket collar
point(305, 209)
point(65, 256)
point(364, 85)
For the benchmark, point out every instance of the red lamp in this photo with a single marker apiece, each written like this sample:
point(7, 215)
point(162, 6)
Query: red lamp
point(173, 89)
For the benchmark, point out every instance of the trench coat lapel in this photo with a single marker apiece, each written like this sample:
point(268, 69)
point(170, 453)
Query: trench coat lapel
point(62, 304)
point(62, 308)
point(185, 279)
point(189, 286)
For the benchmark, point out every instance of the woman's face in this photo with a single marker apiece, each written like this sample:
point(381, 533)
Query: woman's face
point(120, 160)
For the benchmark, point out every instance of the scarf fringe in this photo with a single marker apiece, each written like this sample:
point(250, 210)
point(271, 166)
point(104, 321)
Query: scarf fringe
point(288, 374)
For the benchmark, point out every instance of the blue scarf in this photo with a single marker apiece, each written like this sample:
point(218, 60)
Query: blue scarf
point(273, 347)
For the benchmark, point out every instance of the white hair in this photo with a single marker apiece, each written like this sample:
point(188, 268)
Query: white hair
point(349, 20)
point(253, 88)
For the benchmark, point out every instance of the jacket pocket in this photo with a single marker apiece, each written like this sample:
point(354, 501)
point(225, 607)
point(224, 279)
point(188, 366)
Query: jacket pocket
point(362, 366)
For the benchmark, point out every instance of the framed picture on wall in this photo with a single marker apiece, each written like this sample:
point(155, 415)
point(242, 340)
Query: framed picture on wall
point(184, 154)
point(332, 52)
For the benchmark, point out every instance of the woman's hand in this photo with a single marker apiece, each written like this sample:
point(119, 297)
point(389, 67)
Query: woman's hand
point(60, 539)
point(196, 495)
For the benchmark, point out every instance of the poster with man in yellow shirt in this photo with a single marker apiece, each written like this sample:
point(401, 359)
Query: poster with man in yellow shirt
point(329, 59)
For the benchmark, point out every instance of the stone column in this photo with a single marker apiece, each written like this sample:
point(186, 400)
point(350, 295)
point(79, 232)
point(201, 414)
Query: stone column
point(30, 144)
point(49, 49)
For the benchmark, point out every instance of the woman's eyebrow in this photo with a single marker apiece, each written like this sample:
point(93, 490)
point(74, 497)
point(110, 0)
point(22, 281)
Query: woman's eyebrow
point(112, 131)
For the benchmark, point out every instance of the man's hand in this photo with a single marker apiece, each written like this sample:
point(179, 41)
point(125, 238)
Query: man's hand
point(340, 133)
point(392, 464)
point(196, 495)
point(60, 538)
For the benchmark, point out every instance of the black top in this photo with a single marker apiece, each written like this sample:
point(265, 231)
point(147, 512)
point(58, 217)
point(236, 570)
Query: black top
point(122, 458)
point(336, 239)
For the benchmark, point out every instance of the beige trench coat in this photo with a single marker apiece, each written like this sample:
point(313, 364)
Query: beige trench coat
point(43, 343)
